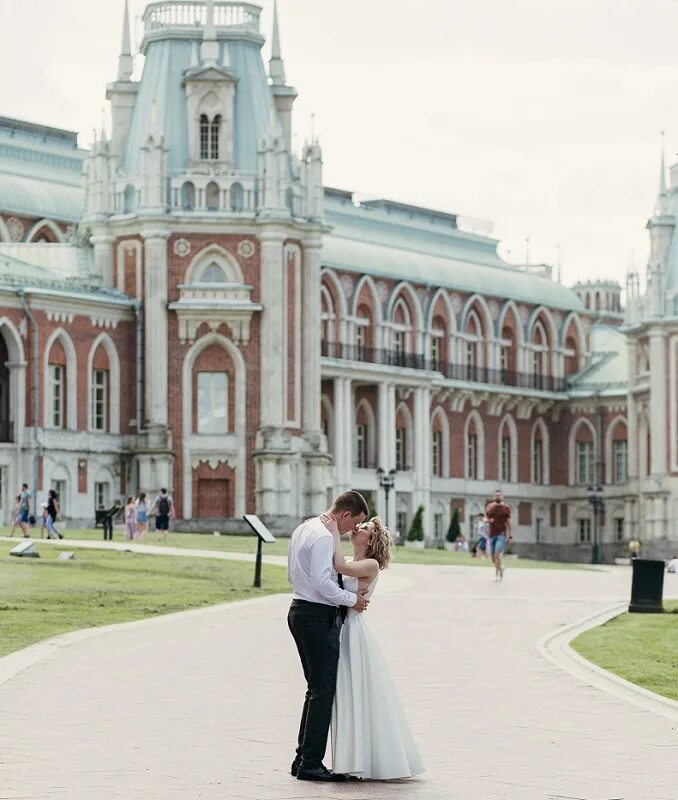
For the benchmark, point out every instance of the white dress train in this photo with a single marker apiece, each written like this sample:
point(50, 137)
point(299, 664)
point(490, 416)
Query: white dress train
point(371, 737)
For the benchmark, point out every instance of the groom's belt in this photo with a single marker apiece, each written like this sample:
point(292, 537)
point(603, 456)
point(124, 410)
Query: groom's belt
point(320, 606)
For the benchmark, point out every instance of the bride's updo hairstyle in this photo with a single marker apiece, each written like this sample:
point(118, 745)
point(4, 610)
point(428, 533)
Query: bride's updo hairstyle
point(380, 545)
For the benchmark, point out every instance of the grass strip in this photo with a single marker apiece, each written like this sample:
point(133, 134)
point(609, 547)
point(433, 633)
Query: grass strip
point(642, 648)
point(44, 597)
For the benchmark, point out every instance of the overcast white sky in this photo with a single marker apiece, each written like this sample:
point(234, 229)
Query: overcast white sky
point(541, 115)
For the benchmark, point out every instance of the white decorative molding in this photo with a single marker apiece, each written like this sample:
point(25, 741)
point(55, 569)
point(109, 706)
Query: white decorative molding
point(525, 408)
point(456, 302)
point(347, 284)
point(23, 328)
point(494, 310)
point(103, 322)
point(404, 392)
point(458, 401)
point(246, 248)
point(182, 248)
point(496, 404)
point(382, 288)
point(16, 228)
point(213, 460)
point(60, 316)
point(524, 314)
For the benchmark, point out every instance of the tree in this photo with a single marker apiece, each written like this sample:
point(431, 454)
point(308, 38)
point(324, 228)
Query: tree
point(455, 528)
point(416, 532)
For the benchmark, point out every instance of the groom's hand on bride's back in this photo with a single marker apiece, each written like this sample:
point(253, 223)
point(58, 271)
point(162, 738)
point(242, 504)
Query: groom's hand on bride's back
point(362, 602)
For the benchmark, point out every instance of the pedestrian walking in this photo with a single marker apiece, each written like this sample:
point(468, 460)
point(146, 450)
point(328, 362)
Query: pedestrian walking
point(141, 515)
point(163, 507)
point(499, 516)
point(16, 514)
point(43, 520)
point(25, 509)
point(482, 526)
point(53, 513)
point(130, 518)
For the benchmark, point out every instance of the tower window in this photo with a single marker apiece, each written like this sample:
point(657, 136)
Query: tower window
point(209, 137)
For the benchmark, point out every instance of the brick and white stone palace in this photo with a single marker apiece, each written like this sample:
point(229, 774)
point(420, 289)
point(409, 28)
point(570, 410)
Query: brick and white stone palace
point(205, 315)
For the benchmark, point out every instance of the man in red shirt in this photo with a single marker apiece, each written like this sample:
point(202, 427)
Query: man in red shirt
point(499, 515)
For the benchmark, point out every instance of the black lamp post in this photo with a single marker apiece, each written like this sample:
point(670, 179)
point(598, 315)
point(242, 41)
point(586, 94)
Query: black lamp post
point(595, 495)
point(386, 482)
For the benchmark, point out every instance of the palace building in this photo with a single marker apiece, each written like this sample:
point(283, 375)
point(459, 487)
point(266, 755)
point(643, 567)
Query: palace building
point(185, 304)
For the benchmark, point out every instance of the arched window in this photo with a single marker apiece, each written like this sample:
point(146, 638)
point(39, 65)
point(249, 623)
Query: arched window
point(103, 368)
point(237, 197)
point(129, 199)
point(404, 444)
point(365, 456)
point(213, 273)
point(438, 343)
point(539, 356)
point(215, 129)
point(188, 196)
point(100, 387)
point(204, 137)
point(56, 412)
point(540, 453)
point(583, 454)
point(508, 450)
point(212, 196)
point(440, 443)
point(5, 423)
point(475, 447)
point(473, 345)
point(402, 332)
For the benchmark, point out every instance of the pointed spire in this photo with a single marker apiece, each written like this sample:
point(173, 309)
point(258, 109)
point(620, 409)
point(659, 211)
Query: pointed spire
point(276, 65)
point(125, 61)
point(209, 50)
point(662, 206)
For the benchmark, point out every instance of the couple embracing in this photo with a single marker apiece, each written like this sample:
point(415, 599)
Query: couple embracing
point(350, 688)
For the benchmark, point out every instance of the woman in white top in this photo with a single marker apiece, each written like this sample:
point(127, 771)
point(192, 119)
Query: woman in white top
point(371, 738)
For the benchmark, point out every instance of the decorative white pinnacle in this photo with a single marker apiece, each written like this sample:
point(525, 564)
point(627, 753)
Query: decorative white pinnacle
point(125, 61)
point(276, 66)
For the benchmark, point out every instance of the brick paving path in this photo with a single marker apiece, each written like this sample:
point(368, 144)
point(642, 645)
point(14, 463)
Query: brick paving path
point(205, 704)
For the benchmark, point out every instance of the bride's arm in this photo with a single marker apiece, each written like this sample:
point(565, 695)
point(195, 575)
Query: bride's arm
point(366, 568)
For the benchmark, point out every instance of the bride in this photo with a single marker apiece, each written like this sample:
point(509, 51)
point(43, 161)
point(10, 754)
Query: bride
point(371, 737)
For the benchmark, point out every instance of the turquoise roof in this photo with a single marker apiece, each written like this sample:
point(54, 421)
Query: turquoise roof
point(609, 370)
point(40, 174)
point(166, 62)
point(408, 246)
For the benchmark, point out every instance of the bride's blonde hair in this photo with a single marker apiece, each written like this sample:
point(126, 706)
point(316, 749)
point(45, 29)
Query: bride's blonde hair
point(380, 546)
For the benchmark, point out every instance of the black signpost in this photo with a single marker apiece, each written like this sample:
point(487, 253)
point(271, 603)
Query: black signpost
point(263, 535)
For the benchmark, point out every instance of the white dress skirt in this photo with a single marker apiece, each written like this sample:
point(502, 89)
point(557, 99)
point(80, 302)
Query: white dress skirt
point(371, 737)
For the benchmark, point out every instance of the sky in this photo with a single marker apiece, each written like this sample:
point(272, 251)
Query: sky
point(541, 116)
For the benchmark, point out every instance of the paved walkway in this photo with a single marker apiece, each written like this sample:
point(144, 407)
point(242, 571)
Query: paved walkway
point(205, 704)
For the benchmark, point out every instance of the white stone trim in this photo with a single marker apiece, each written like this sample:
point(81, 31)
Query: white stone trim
point(113, 383)
point(480, 454)
point(371, 443)
point(71, 379)
point(546, 452)
point(673, 403)
point(224, 259)
point(510, 423)
point(50, 225)
point(292, 415)
point(572, 449)
point(609, 456)
point(440, 413)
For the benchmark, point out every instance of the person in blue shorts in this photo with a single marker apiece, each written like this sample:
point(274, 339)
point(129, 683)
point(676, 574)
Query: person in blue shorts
point(499, 516)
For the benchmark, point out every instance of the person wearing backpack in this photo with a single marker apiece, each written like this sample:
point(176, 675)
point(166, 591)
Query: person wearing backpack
point(164, 509)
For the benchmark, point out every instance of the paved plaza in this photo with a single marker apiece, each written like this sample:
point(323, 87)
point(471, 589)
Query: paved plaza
point(205, 704)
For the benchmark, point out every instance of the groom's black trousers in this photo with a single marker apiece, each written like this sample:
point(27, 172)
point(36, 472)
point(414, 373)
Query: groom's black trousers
point(316, 628)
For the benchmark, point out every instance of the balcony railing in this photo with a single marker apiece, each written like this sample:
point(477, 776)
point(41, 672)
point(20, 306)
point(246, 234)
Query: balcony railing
point(6, 431)
point(457, 372)
point(193, 14)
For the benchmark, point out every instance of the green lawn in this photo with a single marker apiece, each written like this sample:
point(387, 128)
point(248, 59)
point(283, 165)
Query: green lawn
point(44, 597)
point(248, 544)
point(643, 648)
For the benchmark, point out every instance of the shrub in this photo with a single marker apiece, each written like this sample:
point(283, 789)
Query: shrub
point(416, 532)
point(455, 528)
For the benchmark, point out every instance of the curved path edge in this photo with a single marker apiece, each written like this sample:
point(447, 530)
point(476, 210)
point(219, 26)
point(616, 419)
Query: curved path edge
point(555, 647)
point(16, 662)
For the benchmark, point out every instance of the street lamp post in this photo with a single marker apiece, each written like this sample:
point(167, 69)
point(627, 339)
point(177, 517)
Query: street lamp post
point(386, 482)
point(595, 495)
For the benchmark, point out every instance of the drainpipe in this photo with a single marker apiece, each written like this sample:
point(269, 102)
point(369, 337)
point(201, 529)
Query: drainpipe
point(139, 378)
point(36, 395)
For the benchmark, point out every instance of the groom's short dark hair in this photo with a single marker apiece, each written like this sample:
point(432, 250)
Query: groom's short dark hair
point(351, 501)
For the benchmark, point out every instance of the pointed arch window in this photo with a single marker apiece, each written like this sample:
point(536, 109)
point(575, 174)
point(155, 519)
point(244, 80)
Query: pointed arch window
point(209, 137)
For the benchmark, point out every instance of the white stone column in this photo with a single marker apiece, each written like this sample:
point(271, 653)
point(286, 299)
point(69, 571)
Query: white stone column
point(658, 419)
point(311, 333)
point(103, 257)
point(17, 396)
point(272, 385)
point(632, 415)
point(422, 454)
point(156, 360)
point(339, 434)
point(349, 411)
point(390, 448)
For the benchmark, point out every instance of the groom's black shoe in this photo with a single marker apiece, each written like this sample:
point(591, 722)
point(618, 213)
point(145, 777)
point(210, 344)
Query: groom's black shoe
point(294, 768)
point(320, 773)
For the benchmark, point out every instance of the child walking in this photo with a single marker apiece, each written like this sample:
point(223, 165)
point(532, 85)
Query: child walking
point(130, 518)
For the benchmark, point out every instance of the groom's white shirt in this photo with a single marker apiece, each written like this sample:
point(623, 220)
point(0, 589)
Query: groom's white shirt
point(310, 566)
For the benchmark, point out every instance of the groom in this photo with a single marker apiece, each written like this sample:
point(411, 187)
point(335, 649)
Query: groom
point(315, 618)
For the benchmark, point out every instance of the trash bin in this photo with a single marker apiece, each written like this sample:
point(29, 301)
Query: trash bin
point(647, 588)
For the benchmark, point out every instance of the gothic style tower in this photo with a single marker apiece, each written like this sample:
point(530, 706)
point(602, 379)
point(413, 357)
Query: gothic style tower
point(652, 336)
point(197, 207)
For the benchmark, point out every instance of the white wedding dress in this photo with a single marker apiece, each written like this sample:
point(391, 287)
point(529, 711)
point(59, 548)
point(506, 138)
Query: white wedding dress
point(371, 737)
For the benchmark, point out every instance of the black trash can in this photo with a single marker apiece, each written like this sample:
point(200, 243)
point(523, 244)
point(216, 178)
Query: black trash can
point(647, 589)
